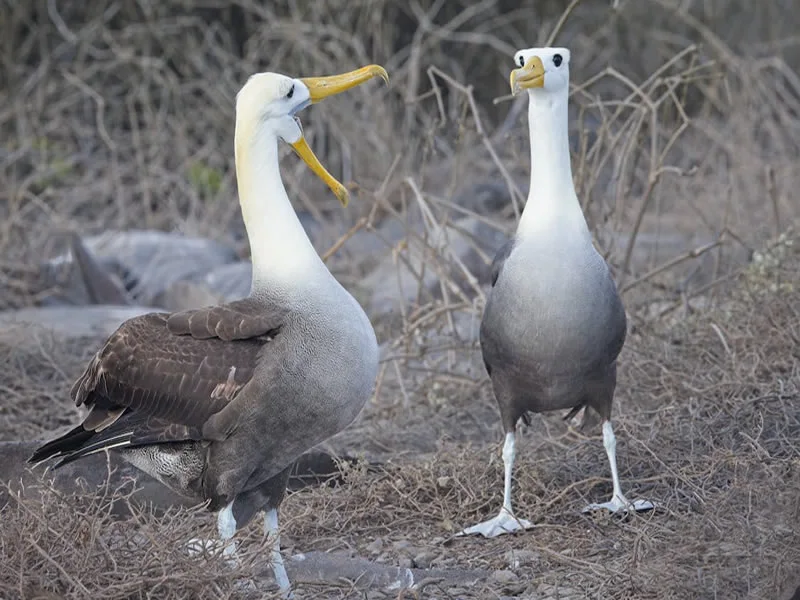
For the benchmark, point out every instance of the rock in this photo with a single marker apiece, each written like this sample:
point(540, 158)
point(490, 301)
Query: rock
point(101, 286)
point(185, 295)
point(424, 559)
point(230, 281)
point(654, 249)
point(521, 558)
point(149, 262)
point(504, 576)
point(365, 245)
point(460, 252)
point(225, 283)
point(488, 198)
point(548, 591)
point(333, 567)
point(69, 321)
point(400, 545)
point(375, 546)
point(91, 473)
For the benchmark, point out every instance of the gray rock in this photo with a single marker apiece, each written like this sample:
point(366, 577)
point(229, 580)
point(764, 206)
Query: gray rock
point(333, 567)
point(504, 576)
point(490, 198)
point(185, 295)
point(652, 250)
point(69, 321)
point(548, 591)
point(375, 547)
point(149, 262)
point(521, 558)
point(424, 559)
point(459, 253)
point(230, 281)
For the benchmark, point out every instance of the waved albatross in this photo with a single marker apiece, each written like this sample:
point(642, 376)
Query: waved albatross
point(554, 323)
point(217, 403)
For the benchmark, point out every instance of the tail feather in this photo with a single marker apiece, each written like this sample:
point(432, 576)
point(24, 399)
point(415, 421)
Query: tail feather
point(67, 443)
point(98, 446)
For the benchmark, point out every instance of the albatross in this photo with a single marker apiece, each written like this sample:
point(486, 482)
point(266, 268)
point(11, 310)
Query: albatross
point(217, 403)
point(553, 323)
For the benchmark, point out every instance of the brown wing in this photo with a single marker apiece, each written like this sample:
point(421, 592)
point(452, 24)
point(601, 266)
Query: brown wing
point(239, 320)
point(150, 384)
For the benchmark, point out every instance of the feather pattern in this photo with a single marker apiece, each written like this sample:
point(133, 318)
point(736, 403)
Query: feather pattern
point(160, 377)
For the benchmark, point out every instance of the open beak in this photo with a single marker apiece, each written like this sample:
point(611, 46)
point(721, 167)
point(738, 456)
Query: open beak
point(527, 77)
point(304, 151)
point(320, 88)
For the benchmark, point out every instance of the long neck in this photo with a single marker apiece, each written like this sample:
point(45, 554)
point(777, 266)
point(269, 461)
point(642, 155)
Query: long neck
point(552, 204)
point(281, 252)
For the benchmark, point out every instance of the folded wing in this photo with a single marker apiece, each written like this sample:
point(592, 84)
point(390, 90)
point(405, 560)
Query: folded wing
point(160, 377)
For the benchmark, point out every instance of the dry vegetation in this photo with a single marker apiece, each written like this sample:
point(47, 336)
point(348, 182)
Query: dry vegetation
point(685, 134)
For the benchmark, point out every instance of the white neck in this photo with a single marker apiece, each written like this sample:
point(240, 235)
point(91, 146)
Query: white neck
point(280, 250)
point(552, 204)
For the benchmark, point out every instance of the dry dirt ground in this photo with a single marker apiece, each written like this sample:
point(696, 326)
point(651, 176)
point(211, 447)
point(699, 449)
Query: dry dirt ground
point(708, 419)
point(685, 138)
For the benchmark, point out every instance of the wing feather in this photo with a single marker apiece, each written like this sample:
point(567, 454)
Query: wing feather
point(237, 320)
point(159, 380)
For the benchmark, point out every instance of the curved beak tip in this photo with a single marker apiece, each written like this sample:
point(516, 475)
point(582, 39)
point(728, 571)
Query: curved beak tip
point(322, 87)
point(343, 195)
point(381, 72)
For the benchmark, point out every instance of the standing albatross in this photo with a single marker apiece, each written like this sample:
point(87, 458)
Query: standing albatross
point(217, 403)
point(554, 323)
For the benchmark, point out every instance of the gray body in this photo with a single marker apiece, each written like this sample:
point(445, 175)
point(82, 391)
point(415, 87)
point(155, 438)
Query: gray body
point(552, 328)
point(218, 403)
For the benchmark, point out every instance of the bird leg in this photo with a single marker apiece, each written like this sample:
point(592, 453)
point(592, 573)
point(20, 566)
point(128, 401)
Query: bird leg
point(278, 568)
point(618, 500)
point(505, 521)
point(226, 528)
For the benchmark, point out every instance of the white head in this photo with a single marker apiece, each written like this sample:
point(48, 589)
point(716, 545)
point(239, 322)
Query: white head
point(552, 208)
point(271, 100)
point(268, 103)
point(541, 71)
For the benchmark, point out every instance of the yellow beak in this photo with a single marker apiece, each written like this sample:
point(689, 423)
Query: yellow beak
point(527, 77)
point(320, 88)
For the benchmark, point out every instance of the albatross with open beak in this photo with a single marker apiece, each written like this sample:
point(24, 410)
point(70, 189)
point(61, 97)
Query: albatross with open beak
point(218, 403)
point(554, 323)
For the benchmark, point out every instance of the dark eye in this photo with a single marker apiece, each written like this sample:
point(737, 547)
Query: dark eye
point(291, 92)
point(521, 61)
point(557, 58)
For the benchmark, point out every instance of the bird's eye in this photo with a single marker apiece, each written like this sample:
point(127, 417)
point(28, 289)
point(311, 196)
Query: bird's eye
point(291, 92)
point(557, 58)
point(521, 61)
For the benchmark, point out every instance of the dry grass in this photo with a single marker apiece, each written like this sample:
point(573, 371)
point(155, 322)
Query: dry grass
point(72, 547)
point(685, 136)
point(708, 428)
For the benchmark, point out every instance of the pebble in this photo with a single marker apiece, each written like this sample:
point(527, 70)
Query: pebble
point(401, 544)
point(504, 576)
point(521, 558)
point(424, 559)
point(375, 546)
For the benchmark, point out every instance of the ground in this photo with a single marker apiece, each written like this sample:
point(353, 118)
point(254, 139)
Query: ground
point(708, 422)
point(122, 120)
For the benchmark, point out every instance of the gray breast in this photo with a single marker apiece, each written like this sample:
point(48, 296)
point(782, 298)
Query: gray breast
point(553, 313)
point(316, 378)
